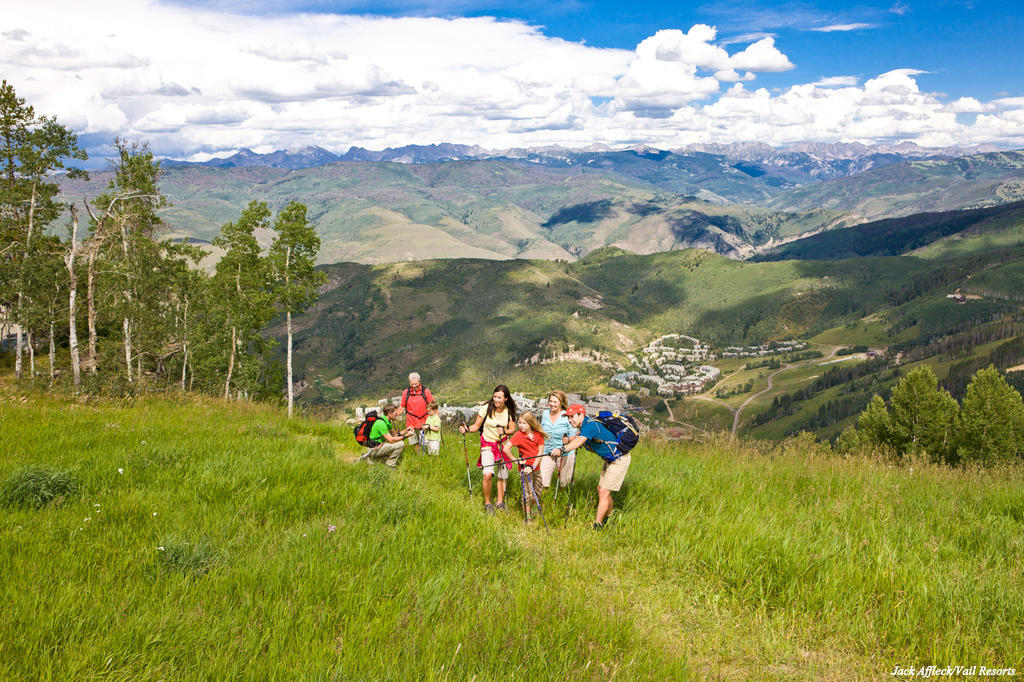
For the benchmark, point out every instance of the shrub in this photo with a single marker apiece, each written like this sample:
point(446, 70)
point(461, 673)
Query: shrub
point(35, 486)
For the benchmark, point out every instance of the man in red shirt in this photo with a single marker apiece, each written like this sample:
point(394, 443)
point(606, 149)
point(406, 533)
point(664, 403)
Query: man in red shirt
point(414, 402)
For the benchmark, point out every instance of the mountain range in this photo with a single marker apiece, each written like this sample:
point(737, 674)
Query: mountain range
point(641, 200)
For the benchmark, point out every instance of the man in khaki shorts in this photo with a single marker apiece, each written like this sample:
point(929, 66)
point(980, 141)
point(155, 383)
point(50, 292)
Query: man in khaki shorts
point(595, 437)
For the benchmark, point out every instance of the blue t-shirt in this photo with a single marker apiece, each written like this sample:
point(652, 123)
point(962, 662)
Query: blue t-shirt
point(555, 430)
point(600, 440)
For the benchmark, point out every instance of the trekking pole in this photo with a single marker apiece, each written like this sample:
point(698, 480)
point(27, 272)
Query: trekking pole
point(465, 453)
point(524, 498)
point(558, 476)
point(540, 510)
point(568, 494)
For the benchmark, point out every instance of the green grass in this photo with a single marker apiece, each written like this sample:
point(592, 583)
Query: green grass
point(222, 541)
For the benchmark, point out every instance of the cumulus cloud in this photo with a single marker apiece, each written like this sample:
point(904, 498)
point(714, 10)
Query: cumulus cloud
point(201, 81)
point(969, 105)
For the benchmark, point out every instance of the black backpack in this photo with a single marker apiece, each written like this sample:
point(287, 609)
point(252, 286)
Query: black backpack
point(362, 431)
point(627, 433)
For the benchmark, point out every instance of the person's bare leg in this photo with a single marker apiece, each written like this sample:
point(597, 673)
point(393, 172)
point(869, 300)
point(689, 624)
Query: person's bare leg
point(604, 505)
point(501, 490)
point(487, 488)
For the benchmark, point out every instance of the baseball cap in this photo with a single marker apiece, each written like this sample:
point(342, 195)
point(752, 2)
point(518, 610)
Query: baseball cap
point(576, 408)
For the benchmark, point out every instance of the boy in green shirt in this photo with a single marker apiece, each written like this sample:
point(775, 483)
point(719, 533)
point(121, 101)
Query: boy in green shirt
point(433, 428)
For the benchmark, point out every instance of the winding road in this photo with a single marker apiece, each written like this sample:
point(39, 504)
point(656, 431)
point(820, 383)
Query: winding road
point(737, 412)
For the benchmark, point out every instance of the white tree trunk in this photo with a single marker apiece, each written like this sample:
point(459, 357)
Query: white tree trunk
point(19, 342)
point(90, 298)
point(231, 366)
point(184, 348)
point(127, 348)
point(53, 355)
point(76, 360)
point(291, 386)
point(288, 314)
point(31, 358)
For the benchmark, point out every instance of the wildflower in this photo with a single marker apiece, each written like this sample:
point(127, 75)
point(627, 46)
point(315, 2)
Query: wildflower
point(154, 513)
point(142, 442)
point(87, 518)
point(160, 548)
point(120, 471)
point(330, 528)
point(303, 535)
point(97, 505)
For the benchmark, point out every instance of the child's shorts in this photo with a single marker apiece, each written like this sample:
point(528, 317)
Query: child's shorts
point(433, 447)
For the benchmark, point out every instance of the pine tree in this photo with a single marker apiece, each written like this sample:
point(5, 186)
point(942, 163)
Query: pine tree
point(874, 424)
point(921, 415)
point(990, 426)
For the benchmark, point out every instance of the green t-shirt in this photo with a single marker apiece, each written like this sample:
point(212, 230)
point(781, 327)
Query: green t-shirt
point(379, 428)
point(434, 422)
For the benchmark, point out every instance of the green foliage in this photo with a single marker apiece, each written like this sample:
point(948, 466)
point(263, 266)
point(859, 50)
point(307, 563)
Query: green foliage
point(32, 149)
point(921, 415)
point(990, 426)
point(37, 486)
point(923, 418)
point(292, 257)
point(874, 425)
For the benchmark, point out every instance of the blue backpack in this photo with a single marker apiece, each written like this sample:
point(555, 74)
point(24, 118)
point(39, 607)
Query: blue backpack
point(623, 427)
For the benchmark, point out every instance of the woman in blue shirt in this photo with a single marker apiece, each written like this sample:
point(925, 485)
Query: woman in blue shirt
point(556, 425)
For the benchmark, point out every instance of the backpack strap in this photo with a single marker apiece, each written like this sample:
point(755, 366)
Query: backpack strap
point(614, 443)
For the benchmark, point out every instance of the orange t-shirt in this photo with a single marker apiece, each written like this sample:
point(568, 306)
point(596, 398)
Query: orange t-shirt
point(528, 448)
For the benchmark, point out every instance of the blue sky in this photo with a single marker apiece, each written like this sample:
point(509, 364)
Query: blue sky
point(198, 78)
point(967, 48)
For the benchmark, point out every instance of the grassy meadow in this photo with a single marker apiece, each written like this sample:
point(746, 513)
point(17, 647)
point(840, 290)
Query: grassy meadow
point(211, 540)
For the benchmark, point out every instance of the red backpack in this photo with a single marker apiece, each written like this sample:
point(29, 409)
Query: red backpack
point(364, 428)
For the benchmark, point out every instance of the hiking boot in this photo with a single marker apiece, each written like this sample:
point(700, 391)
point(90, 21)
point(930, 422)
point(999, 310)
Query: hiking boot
point(501, 506)
point(489, 509)
point(598, 526)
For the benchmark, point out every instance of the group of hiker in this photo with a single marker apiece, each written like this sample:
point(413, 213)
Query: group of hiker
point(545, 448)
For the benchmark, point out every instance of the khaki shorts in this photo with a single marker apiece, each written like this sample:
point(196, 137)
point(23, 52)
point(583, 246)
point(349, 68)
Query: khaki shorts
point(565, 465)
point(487, 462)
point(614, 473)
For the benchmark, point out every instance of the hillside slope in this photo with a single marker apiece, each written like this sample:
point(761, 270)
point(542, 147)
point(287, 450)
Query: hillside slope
point(980, 228)
point(469, 323)
point(914, 187)
point(218, 541)
point(387, 212)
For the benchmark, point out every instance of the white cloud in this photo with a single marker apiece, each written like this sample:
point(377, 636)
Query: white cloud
point(836, 81)
point(199, 81)
point(832, 28)
point(969, 105)
point(761, 56)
